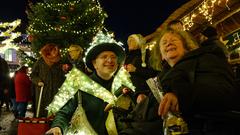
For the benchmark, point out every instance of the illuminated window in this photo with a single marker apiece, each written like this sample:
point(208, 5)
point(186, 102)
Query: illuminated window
point(11, 55)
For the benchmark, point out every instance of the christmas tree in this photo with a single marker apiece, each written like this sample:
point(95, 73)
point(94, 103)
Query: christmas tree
point(7, 35)
point(64, 22)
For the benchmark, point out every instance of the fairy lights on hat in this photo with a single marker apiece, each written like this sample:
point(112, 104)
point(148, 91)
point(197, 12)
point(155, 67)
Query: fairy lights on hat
point(102, 37)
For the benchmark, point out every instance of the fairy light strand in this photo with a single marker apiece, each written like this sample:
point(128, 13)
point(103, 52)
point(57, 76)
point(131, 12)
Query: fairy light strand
point(205, 8)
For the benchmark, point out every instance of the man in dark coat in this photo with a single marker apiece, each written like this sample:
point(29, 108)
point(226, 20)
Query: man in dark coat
point(105, 60)
point(212, 39)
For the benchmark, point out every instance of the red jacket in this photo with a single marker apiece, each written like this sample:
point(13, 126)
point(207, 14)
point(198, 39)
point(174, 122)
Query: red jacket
point(22, 87)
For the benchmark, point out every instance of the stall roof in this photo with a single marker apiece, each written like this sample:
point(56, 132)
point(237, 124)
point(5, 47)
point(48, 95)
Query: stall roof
point(226, 15)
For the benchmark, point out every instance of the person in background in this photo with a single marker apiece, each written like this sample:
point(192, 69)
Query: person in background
point(105, 60)
point(47, 73)
point(12, 95)
point(23, 91)
point(4, 75)
point(176, 25)
point(137, 65)
point(4, 83)
point(76, 57)
point(198, 81)
point(212, 38)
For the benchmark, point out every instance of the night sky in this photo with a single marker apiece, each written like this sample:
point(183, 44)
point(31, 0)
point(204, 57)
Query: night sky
point(125, 17)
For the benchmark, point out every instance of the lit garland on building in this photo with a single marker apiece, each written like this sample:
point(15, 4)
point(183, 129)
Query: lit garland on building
point(206, 9)
point(9, 35)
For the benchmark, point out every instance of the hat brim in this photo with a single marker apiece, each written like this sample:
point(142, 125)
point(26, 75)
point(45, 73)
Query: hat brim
point(96, 50)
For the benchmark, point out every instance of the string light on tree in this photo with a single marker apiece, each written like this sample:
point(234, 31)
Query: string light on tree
point(64, 22)
point(9, 35)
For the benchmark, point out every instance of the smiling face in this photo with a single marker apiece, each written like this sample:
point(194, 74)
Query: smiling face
point(105, 64)
point(172, 48)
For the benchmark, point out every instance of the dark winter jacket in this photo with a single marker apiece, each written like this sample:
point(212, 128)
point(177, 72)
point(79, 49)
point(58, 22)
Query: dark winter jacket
point(93, 106)
point(4, 76)
point(52, 77)
point(203, 81)
point(141, 74)
point(215, 42)
point(79, 64)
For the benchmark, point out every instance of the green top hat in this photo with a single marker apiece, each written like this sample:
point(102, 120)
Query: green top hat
point(94, 51)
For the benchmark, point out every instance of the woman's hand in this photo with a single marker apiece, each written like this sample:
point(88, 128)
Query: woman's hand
point(168, 103)
point(140, 98)
point(54, 131)
point(125, 91)
point(130, 68)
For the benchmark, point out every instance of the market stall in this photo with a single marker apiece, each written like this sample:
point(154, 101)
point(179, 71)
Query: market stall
point(223, 14)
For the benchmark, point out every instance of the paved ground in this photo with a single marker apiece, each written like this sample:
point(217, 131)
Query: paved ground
point(9, 123)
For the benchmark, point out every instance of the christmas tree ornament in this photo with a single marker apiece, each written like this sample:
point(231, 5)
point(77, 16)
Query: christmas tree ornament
point(63, 18)
point(71, 8)
point(30, 38)
point(57, 28)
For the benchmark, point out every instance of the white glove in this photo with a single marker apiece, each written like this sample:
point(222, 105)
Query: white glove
point(40, 84)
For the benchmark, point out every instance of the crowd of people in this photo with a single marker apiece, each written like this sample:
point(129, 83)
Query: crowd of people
point(195, 78)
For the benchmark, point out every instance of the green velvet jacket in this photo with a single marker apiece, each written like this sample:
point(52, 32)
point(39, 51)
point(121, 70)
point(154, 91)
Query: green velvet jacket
point(93, 106)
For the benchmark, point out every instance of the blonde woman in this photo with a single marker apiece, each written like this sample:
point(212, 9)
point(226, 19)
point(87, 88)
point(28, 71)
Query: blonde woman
point(137, 65)
point(197, 80)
